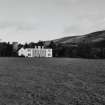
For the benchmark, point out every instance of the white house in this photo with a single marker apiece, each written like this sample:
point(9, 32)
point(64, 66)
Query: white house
point(38, 51)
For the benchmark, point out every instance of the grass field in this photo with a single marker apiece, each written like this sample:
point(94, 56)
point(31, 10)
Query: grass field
point(52, 81)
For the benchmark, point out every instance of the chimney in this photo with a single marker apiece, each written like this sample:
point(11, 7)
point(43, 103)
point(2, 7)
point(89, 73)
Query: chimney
point(39, 47)
point(35, 47)
point(42, 47)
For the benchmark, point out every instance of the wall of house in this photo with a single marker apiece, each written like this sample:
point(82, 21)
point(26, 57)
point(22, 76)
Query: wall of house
point(35, 52)
point(48, 52)
point(29, 52)
point(21, 52)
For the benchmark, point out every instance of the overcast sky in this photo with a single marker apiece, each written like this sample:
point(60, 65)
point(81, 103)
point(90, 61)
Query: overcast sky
point(33, 20)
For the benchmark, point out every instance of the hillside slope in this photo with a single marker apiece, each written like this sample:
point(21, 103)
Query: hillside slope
point(91, 37)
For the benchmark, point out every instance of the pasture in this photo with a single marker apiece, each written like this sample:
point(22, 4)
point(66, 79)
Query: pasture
point(52, 81)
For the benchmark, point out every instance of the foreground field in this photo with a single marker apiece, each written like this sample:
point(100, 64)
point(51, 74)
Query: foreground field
point(52, 81)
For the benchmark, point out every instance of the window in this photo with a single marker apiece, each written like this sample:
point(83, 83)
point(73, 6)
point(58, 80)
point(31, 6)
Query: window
point(49, 54)
point(29, 50)
point(29, 55)
point(49, 50)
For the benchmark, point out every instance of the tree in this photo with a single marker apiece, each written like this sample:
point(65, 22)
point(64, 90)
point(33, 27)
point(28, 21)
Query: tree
point(32, 45)
point(40, 43)
point(52, 45)
point(25, 45)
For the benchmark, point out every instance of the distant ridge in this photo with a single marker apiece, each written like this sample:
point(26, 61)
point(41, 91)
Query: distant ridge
point(93, 37)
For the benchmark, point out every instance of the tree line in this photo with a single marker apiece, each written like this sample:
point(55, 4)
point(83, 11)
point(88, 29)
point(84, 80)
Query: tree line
point(6, 50)
point(11, 50)
point(79, 50)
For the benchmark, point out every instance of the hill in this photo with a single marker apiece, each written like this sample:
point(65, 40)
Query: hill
point(94, 37)
point(91, 45)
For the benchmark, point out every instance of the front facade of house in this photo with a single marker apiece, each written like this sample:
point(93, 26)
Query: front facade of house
point(35, 52)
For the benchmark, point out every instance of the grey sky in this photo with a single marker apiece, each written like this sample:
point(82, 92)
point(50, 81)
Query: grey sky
point(33, 20)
